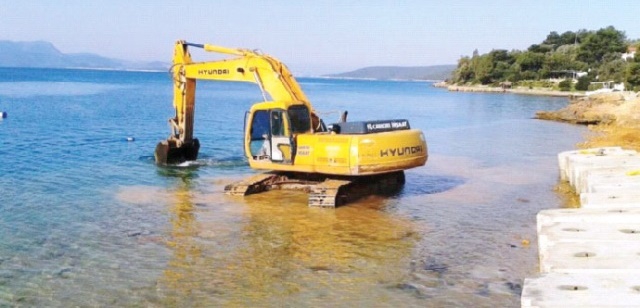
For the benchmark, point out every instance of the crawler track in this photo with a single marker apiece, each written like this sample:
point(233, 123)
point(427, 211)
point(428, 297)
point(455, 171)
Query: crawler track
point(324, 191)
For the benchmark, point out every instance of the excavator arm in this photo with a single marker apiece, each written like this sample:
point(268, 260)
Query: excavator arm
point(274, 79)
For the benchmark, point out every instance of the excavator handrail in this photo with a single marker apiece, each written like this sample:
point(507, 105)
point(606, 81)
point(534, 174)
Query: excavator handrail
point(221, 49)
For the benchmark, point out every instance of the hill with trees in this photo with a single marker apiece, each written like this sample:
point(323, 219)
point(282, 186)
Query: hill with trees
point(435, 72)
point(589, 55)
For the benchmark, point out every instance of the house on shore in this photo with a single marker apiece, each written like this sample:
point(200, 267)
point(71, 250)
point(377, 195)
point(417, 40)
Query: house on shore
point(558, 76)
point(630, 54)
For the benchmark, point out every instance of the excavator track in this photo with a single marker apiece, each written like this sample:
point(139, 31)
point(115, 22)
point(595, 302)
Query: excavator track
point(252, 185)
point(336, 192)
point(327, 193)
point(323, 191)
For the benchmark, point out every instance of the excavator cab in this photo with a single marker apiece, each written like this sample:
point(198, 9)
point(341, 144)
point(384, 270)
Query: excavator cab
point(270, 131)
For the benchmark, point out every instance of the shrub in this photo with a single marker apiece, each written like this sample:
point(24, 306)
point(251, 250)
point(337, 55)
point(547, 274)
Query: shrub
point(597, 86)
point(565, 85)
point(583, 83)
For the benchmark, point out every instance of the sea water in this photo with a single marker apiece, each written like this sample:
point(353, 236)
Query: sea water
point(88, 219)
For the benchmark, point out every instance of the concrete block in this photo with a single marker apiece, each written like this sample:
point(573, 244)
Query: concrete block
point(587, 154)
point(562, 157)
point(610, 200)
point(578, 159)
point(594, 179)
point(607, 174)
point(577, 166)
point(589, 231)
point(581, 290)
point(550, 217)
point(589, 256)
point(589, 240)
point(614, 187)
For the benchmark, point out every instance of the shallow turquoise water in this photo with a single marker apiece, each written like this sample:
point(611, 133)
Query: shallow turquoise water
point(87, 218)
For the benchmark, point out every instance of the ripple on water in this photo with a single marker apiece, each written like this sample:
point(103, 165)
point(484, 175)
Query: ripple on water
point(94, 222)
point(45, 88)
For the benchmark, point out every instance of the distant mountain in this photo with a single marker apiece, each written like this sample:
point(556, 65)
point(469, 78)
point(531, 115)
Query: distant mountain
point(435, 72)
point(45, 54)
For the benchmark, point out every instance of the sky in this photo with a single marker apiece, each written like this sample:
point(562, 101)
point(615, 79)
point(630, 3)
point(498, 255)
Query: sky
point(310, 37)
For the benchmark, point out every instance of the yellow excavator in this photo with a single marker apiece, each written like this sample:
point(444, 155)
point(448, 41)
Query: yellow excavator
point(283, 134)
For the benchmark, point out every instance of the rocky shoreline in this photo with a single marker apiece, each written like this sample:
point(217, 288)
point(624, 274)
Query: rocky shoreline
point(617, 108)
point(518, 90)
point(613, 118)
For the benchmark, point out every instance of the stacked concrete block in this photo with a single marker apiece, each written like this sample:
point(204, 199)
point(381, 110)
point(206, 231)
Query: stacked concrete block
point(579, 165)
point(590, 256)
point(609, 179)
point(589, 240)
point(562, 157)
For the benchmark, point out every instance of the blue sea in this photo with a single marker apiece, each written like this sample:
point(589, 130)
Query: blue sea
point(88, 219)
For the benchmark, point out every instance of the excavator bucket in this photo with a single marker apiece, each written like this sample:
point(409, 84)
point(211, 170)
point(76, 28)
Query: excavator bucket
point(168, 153)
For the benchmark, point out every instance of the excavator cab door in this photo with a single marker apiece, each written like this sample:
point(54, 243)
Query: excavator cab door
point(270, 136)
point(281, 145)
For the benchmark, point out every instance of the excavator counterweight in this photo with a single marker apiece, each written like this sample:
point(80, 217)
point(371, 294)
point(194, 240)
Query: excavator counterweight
point(284, 135)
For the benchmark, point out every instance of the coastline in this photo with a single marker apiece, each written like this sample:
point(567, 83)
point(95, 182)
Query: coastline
point(613, 118)
point(616, 108)
point(370, 79)
point(519, 90)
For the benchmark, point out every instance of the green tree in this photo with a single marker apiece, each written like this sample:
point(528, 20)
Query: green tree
point(530, 61)
point(501, 71)
point(529, 75)
point(596, 51)
point(632, 74)
point(500, 55)
point(583, 83)
point(569, 38)
point(565, 85)
point(553, 38)
point(613, 70)
point(558, 62)
point(540, 48)
point(514, 73)
point(483, 69)
point(464, 73)
point(556, 40)
point(502, 61)
point(604, 41)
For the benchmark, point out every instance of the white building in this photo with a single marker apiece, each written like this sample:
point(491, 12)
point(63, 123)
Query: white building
point(630, 54)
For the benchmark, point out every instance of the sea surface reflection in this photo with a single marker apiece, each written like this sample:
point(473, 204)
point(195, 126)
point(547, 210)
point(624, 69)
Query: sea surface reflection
point(87, 218)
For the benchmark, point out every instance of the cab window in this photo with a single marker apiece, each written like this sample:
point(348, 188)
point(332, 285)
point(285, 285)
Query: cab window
point(299, 118)
point(260, 125)
point(277, 123)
